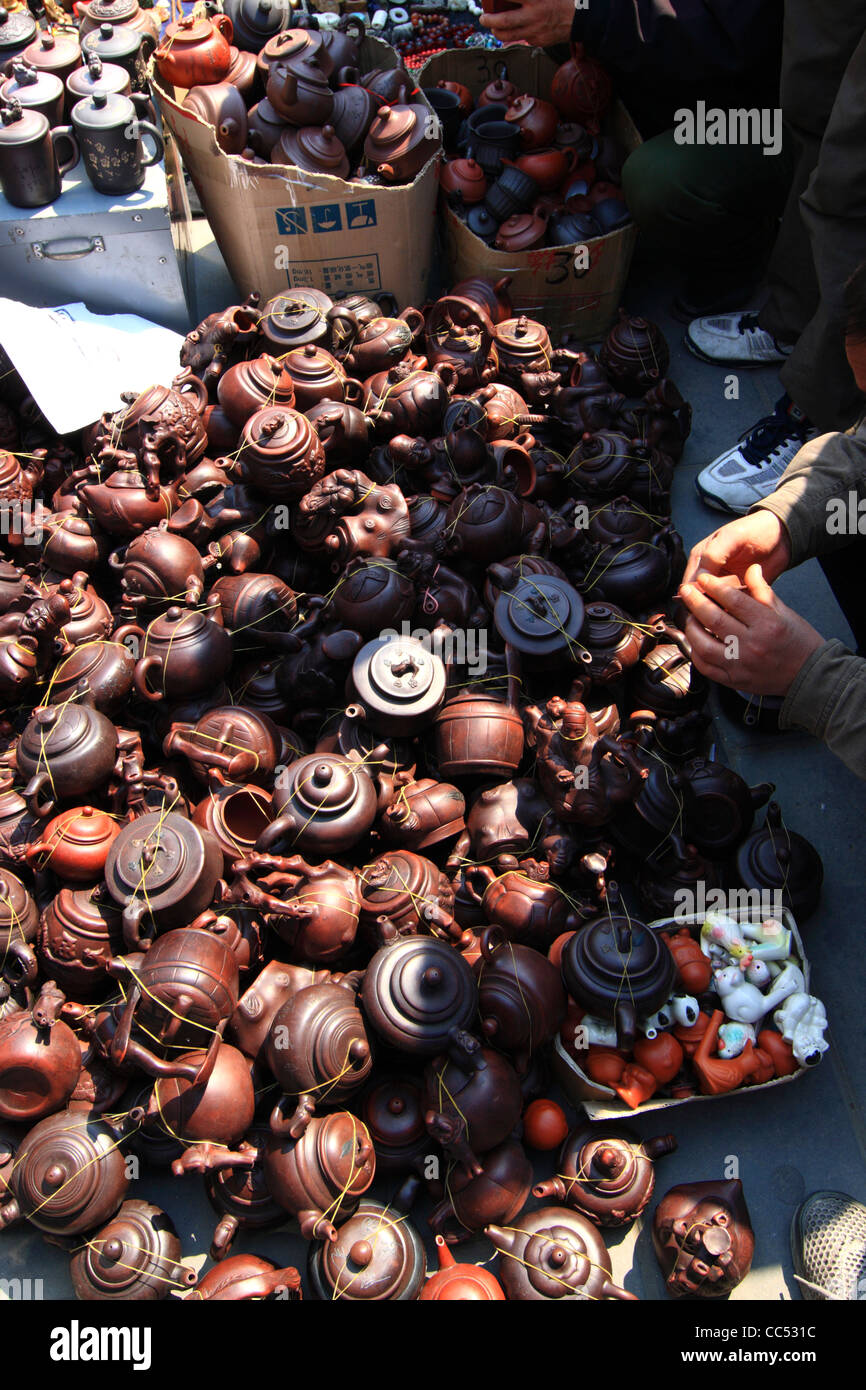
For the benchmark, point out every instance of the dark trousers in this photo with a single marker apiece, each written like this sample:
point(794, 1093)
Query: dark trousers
point(846, 574)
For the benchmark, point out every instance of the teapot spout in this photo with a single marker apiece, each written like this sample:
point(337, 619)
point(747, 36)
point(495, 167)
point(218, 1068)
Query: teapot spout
point(505, 1241)
point(446, 1259)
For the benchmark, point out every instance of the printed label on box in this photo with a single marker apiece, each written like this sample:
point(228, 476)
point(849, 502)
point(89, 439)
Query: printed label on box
point(327, 217)
point(361, 213)
point(337, 277)
point(291, 221)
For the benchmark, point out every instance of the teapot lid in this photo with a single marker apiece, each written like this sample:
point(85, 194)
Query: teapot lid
point(618, 955)
point(112, 41)
point(263, 16)
point(345, 1152)
point(175, 625)
point(416, 990)
point(400, 672)
point(320, 148)
point(311, 365)
point(276, 431)
point(95, 75)
point(56, 729)
point(522, 335)
point(324, 782)
point(375, 1255)
point(540, 614)
point(103, 111)
point(190, 29)
point(31, 85)
point(52, 50)
point(20, 125)
point(290, 42)
point(288, 317)
point(152, 853)
point(116, 10)
point(394, 1112)
point(16, 28)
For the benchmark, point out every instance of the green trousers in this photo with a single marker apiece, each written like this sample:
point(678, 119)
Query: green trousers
point(709, 208)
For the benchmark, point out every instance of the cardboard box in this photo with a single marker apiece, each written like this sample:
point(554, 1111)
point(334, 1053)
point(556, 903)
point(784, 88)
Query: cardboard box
point(601, 1103)
point(545, 284)
point(279, 227)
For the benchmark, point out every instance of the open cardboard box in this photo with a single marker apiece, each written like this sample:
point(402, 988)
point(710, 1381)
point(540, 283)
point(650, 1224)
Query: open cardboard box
point(547, 283)
point(280, 228)
point(601, 1103)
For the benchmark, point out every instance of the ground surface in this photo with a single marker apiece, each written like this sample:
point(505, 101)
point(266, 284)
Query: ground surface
point(787, 1143)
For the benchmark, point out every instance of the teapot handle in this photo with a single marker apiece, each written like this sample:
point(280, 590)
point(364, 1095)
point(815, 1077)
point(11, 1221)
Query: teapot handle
point(354, 392)
point(342, 316)
point(32, 793)
point(64, 132)
point(484, 872)
point(448, 375)
point(188, 383)
point(20, 966)
point(223, 1238)
point(410, 316)
point(224, 25)
point(140, 674)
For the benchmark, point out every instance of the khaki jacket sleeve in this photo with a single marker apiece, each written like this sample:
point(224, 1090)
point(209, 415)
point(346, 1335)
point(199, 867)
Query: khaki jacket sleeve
point(828, 699)
point(813, 498)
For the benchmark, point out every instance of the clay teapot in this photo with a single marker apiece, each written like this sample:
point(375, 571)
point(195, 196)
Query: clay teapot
point(553, 1253)
point(400, 684)
point(243, 1277)
point(416, 991)
point(708, 803)
point(463, 182)
point(241, 1198)
point(80, 930)
point(318, 914)
point(703, 1238)
point(19, 923)
point(125, 504)
point(251, 385)
point(521, 232)
point(212, 1109)
point(318, 376)
point(136, 1257)
point(324, 803)
point(521, 999)
point(581, 89)
point(64, 751)
point(73, 543)
point(257, 23)
point(194, 52)
point(183, 653)
point(400, 141)
point(606, 1172)
point(616, 968)
point(158, 567)
point(70, 1174)
point(382, 341)
point(182, 995)
point(497, 1194)
point(424, 813)
point(101, 673)
point(281, 453)
point(75, 844)
point(536, 120)
point(634, 354)
point(463, 1283)
point(393, 1111)
point(352, 116)
point(163, 870)
point(777, 860)
point(321, 1177)
point(317, 1049)
point(377, 1256)
point(228, 744)
point(474, 1100)
point(40, 1059)
point(221, 105)
point(404, 894)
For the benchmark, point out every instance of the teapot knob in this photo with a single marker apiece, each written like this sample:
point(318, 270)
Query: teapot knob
point(323, 774)
point(361, 1253)
point(557, 1257)
point(113, 1248)
point(55, 1176)
point(432, 977)
point(396, 1105)
point(610, 1160)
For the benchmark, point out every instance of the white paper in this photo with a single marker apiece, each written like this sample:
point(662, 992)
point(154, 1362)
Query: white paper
point(76, 363)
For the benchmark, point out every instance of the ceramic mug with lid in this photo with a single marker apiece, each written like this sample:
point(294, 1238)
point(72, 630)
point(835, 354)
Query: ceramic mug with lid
point(111, 134)
point(30, 164)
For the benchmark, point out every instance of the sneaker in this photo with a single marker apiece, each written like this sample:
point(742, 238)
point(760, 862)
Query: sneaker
point(828, 1246)
point(734, 340)
point(751, 470)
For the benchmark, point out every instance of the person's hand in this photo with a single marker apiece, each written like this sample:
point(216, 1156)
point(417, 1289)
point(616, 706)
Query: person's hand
point(542, 22)
point(758, 539)
point(746, 638)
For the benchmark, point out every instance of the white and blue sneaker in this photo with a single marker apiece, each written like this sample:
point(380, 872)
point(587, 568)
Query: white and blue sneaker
point(734, 340)
point(751, 470)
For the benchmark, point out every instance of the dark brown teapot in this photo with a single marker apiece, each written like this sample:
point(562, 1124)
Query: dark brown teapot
point(317, 1050)
point(136, 1257)
point(19, 924)
point(163, 870)
point(606, 1172)
point(65, 751)
point(281, 453)
point(634, 354)
point(70, 1174)
point(617, 968)
point(183, 653)
point(403, 894)
point(158, 567)
point(322, 803)
point(314, 148)
point(321, 1177)
point(498, 1193)
point(228, 744)
point(474, 1100)
point(416, 991)
point(400, 141)
point(777, 860)
point(80, 931)
point(244, 1277)
point(521, 999)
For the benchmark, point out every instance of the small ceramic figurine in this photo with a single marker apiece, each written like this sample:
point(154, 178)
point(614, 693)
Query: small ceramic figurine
point(802, 1020)
point(703, 1238)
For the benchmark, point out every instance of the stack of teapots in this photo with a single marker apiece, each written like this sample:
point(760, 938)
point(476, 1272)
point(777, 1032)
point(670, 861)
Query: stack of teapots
point(308, 758)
